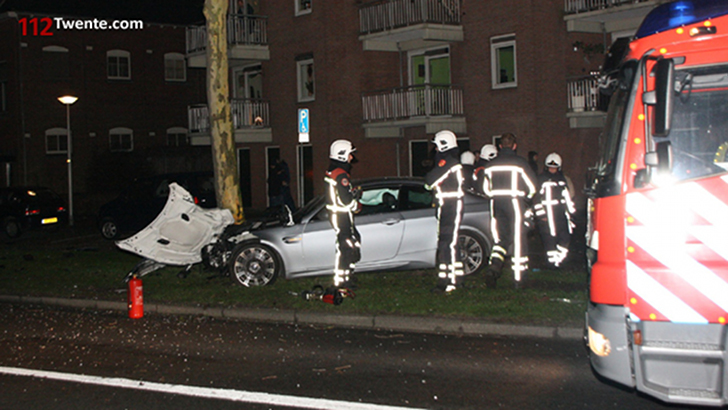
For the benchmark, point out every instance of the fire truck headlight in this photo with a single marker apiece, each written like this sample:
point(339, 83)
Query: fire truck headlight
point(598, 343)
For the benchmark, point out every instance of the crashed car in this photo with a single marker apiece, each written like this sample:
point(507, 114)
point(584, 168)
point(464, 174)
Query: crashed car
point(397, 223)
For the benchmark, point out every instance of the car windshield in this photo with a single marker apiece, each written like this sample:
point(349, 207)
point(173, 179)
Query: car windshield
point(308, 208)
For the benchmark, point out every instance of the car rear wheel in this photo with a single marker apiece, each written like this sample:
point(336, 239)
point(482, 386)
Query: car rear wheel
point(109, 229)
point(474, 251)
point(254, 264)
point(11, 227)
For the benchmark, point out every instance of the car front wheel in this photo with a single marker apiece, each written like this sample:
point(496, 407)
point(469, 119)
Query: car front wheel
point(473, 252)
point(254, 264)
point(109, 229)
point(11, 226)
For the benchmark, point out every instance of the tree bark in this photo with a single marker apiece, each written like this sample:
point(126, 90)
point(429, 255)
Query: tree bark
point(227, 186)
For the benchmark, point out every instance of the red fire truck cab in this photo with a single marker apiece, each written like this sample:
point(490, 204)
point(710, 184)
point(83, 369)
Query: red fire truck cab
point(658, 210)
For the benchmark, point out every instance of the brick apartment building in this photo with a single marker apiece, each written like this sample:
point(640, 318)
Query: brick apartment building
point(385, 74)
point(130, 119)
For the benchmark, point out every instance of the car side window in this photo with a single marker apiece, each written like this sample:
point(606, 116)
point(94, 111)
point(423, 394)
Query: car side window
point(378, 200)
point(417, 197)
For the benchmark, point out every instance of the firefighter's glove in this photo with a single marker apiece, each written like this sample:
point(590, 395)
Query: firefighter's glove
point(528, 218)
point(356, 193)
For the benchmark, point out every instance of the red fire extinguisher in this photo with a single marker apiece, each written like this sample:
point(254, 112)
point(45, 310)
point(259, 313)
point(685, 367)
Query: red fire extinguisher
point(135, 298)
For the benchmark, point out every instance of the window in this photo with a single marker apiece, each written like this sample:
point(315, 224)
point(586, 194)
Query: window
point(303, 7)
point(3, 86)
point(504, 73)
point(430, 66)
point(55, 63)
point(121, 139)
point(56, 141)
point(248, 82)
point(177, 137)
point(118, 65)
point(306, 80)
point(174, 67)
point(379, 200)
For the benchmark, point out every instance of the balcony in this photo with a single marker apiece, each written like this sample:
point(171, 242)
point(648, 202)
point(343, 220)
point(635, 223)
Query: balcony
point(436, 107)
point(587, 106)
point(247, 41)
point(251, 121)
point(606, 16)
point(395, 25)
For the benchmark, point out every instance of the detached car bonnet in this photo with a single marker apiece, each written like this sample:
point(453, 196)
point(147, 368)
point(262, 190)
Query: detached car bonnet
point(179, 232)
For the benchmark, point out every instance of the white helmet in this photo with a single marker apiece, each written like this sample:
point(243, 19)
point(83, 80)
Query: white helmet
point(488, 152)
point(340, 150)
point(553, 160)
point(445, 140)
point(467, 158)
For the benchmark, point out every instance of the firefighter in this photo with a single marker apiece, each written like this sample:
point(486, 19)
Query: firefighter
point(487, 153)
point(554, 210)
point(342, 202)
point(446, 178)
point(467, 160)
point(510, 183)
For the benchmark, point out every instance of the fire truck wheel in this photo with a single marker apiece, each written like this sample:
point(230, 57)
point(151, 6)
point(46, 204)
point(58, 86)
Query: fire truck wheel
point(254, 264)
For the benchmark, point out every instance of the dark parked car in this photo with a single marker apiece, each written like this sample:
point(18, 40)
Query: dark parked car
point(23, 208)
point(138, 205)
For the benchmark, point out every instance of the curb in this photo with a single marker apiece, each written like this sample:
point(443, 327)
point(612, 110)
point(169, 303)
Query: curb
point(373, 322)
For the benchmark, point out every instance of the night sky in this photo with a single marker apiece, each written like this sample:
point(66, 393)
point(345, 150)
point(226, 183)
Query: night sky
point(152, 11)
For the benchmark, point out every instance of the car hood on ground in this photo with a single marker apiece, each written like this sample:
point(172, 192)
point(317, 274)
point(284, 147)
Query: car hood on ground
point(178, 234)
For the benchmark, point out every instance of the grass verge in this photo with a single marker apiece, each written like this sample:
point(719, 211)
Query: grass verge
point(549, 297)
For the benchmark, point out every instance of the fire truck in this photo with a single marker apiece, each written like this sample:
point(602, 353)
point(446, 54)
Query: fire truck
point(657, 231)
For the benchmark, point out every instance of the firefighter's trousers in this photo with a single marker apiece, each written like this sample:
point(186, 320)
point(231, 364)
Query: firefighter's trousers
point(556, 237)
point(348, 246)
point(449, 216)
point(509, 232)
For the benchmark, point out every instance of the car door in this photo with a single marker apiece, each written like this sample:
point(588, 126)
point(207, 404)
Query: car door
point(419, 242)
point(380, 224)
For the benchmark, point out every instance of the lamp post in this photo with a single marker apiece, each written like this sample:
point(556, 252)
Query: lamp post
point(68, 100)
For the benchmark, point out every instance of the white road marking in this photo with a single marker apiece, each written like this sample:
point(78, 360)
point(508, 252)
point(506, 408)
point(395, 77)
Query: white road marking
point(204, 392)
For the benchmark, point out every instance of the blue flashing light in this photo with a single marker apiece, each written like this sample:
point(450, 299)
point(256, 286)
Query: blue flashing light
point(680, 13)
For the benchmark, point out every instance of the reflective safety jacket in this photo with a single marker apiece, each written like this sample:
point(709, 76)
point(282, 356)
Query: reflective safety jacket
point(446, 178)
point(554, 202)
point(340, 196)
point(507, 175)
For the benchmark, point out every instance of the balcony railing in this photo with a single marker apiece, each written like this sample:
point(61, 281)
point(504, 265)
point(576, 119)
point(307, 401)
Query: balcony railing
point(241, 30)
point(247, 114)
point(583, 6)
point(390, 14)
point(583, 95)
point(426, 100)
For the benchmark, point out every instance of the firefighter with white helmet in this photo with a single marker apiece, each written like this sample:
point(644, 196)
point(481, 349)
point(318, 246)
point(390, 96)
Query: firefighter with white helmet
point(342, 202)
point(487, 153)
point(554, 210)
point(446, 178)
point(510, 183)
point(467, 160)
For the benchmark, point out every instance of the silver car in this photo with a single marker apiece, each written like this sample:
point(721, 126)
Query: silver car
point(398, 229)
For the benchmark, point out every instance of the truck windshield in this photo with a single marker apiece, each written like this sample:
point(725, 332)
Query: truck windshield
point(699, 134)
point(609, 140)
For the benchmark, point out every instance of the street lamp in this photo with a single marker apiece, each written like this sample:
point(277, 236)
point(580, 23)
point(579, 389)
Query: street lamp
point(67, 100)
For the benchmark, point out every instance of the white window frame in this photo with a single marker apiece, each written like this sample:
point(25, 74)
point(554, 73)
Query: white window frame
point(303, 6)
point(120, 132)
point(58, 133)
point(496, 43)
point(302, 97)
point(118, 55)
point(175, 59)
point(177, 131)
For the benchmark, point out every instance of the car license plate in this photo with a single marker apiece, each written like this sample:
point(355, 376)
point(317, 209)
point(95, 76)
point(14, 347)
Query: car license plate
point(46, 221)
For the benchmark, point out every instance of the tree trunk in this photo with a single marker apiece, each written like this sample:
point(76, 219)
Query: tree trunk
point(227, 186)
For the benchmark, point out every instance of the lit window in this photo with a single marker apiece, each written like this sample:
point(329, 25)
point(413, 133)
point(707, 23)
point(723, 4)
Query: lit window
point(118, 65)
point(121, 140)
point(174, 67)
point(56, 141)
point(504, 73)
point(303, 7)
point(306, 80)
